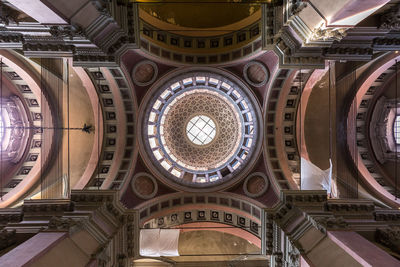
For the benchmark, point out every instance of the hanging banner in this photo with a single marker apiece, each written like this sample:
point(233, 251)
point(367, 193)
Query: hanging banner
point(313, 178)
point(159, 242)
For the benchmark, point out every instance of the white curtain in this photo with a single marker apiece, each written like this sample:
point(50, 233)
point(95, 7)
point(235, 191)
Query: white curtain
point(159, 242)
point(313, 178)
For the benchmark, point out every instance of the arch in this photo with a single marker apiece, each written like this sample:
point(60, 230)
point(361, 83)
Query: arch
point(31, 77)
point(219, 227)
point(99, 124)
point(365, 81)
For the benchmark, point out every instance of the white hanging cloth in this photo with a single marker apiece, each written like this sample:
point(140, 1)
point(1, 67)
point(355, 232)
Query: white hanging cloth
point(159, 242)
point(313, 178)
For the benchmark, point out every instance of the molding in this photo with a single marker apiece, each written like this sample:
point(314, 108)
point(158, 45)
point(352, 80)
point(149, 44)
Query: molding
point(390, 20)
point(151, 178)
point(90, 46)
point(263, 189)
point(152, 79)
point(389, 237)
point(7, 238)
point(263, 68)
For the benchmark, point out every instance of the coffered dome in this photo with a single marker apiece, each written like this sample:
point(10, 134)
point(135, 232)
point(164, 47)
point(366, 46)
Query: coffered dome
point(200, 129)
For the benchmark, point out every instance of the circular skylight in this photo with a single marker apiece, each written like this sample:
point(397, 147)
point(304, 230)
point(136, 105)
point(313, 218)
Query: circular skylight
point(201, 130)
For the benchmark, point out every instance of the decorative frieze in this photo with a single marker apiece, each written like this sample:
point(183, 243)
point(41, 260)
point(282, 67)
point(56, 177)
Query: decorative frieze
point(130, 235)
point(92, 57)
point(297, 6)
point(92, 197)
point(292, 254)
point(61, 224)
point(386, 44)
point(269, 233)
point(387, 215)
point(48, 49)
point(391, 19)
point(101, 6)
point(10, 216)
point(324, 223)
point(8, 15)
point(348, 53)
point(346, 206)
point(40, 206)
point(7, 238)
point(389, 237)
point(10, 37)
point(323, 33)
point(66, 31)
point(293, 196)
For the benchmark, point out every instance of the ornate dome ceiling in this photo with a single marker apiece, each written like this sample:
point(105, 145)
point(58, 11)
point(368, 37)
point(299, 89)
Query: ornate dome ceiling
point(204, 32)
point(200, 128)
point(183, 138)
point(208, 14)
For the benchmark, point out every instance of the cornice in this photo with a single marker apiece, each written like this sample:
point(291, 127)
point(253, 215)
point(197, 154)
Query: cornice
point(302, 210)
point(90, 46)
point(299, 46)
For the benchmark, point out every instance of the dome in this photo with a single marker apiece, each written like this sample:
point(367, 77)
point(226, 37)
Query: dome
point(218, 14)
point(200, 129)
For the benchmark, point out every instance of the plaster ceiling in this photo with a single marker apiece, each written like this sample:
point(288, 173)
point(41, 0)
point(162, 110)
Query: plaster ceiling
point(201, 14)
point(213, 246)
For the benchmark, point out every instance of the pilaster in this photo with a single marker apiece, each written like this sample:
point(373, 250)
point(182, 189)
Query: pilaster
point(306, 221)
point(93, 221)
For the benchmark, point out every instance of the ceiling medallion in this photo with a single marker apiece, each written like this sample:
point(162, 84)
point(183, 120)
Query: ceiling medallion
point(255, 185)
point(144, 73)
point(255, 73)
point(200, 129)
point(144, 185)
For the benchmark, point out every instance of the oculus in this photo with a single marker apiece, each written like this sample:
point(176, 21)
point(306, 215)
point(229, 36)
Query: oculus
point(201, 130)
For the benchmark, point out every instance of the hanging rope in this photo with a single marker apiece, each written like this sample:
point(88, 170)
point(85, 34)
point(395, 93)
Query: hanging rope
point(329, 110)
point(68, 136)
point(355, 132)
point(300, 121)
point(330, 122)
point(41, 106)
point(98, 132)
point(396, 107)
point(354, 147)
point(59, 159)
point(1, 110)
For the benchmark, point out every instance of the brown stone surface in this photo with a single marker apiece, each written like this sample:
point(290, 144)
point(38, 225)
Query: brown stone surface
point(144, 73)
point(256, 73)
point(255, 184)
point(144, 185)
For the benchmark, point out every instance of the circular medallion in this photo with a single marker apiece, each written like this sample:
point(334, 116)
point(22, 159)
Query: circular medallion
point(200, 129)
point(255, 73)
point(144, 185)
point(144, 73)
point(255, 184)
